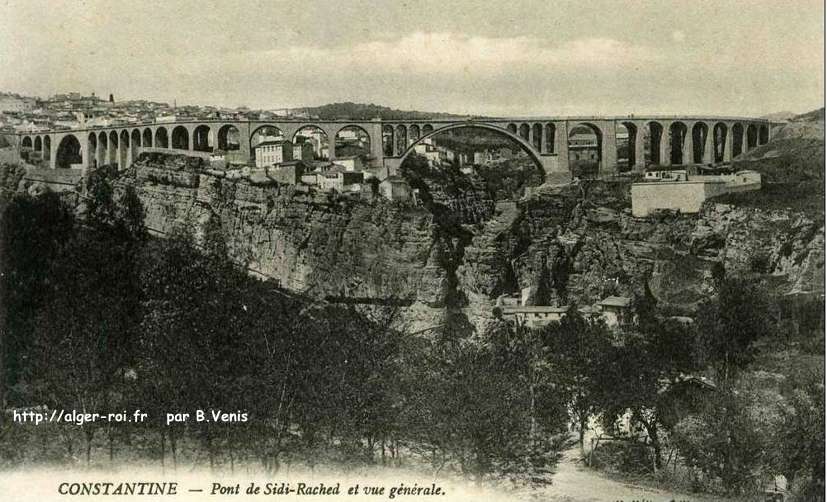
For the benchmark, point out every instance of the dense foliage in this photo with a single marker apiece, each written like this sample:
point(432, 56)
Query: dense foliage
point(104, 319)
point(101, 318)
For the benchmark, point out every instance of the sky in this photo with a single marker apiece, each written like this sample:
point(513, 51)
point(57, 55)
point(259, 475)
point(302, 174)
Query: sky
point(515, 57)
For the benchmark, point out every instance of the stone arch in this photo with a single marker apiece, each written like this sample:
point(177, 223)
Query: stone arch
point(123, 151)
point(524, 145)
point(113, 148)
point(146, 142)
point(700, 133)
point(161, 138)
point(387, 140)
point(92, 150)
point(551, 130)
point(720, 134)
point(763, 134)
point(427, 129)
point(202, 138)
point(180, 139)
point(625, 146)
point(27, 142)
point(264, 133)
point(38, 144)
point(737, 139)
point(68, 152)
point(355, 140)
point(653, 134)
point(401, 136)
point(585, 148)
point(47, 147)
point(512, 128)
point(414, 132)
point(677, 142)
point(103, 149)
point(752, 136)
point(537, 136)
point(525, 131)
point(229, 138)
point(319, 140)
point(136, 144)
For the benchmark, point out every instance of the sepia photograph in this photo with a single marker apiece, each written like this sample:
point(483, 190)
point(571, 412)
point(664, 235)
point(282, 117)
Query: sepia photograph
point(412, 251)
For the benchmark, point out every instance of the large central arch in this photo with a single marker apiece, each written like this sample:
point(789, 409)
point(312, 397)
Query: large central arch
point(69, 153)
point(525, 145)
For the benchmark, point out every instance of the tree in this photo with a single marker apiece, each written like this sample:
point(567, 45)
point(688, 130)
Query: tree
point(637, 374)
point(468, 402)
point(576, 349)
point(730, 322)
point(798, 441)
point(728, 440)
point(35, 231)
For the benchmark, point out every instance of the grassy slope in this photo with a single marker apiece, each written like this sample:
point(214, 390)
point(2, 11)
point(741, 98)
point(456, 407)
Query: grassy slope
point(792, 167)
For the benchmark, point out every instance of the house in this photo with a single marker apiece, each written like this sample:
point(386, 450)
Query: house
point(269, 153)
point(303, 151)
point(351, 163)
point(290, 172)
point(311, 178)
point(677, 175)
point(339, 179)
point(428, 150)
point(534, 316)
point(395, 188)
point(615, 310)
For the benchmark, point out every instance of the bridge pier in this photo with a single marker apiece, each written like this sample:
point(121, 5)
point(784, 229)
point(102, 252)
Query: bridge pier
point(608, 154)
point(709, 146)
point(728, 142)
point(665, 144)
point(688, 149)
point(640, 147)
point(562, 145)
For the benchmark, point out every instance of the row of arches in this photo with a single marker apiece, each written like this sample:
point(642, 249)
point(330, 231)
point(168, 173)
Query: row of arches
point(397, 140)
point(634, 142)
point(678, 142)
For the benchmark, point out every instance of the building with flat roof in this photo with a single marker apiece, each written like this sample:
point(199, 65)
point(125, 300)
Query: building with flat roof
point(270, 153)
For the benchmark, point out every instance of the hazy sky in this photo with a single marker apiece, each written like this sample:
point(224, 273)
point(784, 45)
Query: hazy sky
point(479, 57)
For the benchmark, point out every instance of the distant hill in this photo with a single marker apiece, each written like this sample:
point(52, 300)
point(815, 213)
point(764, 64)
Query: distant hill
point(363, 111)
point(813, 116)
point(779, 116)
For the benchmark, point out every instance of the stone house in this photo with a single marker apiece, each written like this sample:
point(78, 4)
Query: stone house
point(338, 179)
point(615, 310)
point(395, 188)
point(269, 153)
point(288, 173)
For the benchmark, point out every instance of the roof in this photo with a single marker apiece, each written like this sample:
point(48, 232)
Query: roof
point(290, 163)
point(513, 309)
point(615, 301)
point(273, 142)
point(395, 179)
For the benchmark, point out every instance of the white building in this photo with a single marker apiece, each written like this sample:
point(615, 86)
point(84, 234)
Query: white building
point(273, 152)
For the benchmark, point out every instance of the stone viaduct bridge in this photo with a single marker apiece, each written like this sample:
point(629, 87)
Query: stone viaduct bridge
point(661, 140)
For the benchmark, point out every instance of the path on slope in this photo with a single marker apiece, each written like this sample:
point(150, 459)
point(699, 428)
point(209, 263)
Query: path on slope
point(574, 482)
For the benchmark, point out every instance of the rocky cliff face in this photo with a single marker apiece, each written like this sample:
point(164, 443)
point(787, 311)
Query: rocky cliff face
point(573, 243)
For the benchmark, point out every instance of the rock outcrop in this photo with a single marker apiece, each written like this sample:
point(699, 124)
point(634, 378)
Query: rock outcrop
point(570, 243)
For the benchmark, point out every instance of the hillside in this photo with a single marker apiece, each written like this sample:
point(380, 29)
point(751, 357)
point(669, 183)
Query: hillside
point(364, 111)
point(792, 165)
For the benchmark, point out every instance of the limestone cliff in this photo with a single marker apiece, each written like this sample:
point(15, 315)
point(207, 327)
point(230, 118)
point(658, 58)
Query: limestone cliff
point(572, 243)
